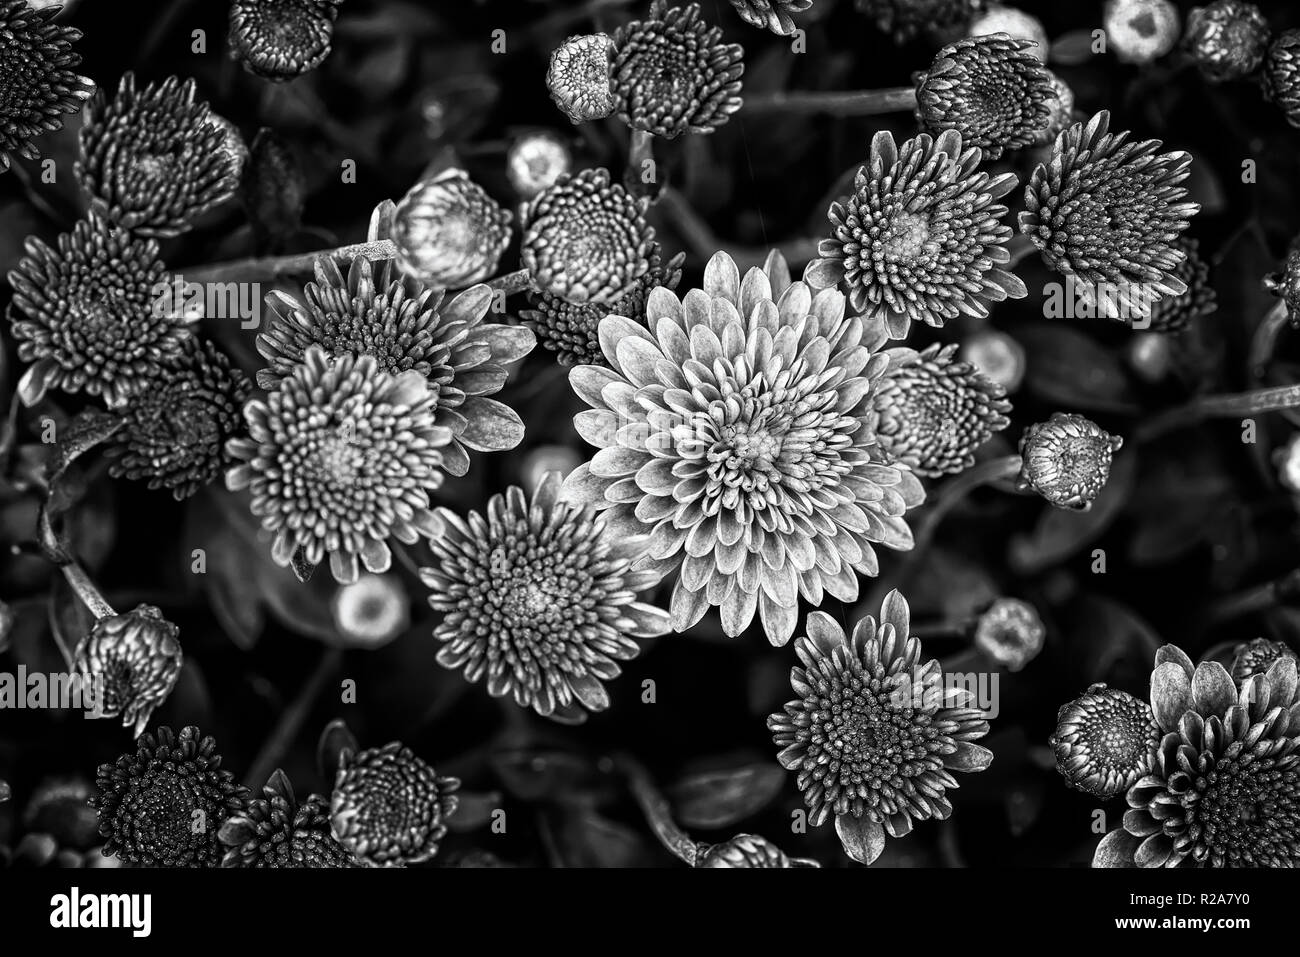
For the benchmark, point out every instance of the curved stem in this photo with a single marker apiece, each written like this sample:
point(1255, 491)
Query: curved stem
point(655, 808)
point(834, 103)
point(273, 267)
point(1221, 407)
point(292, 719)
point(86, 591)
point(1264, 342)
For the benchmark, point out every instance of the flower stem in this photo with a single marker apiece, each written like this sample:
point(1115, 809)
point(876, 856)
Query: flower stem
point(640, 152)
point(292, 719)
point(655, 808)
point(897, 99)
point(521, 280)
point(1225, 406)
point(273, 267)
point(86, 591)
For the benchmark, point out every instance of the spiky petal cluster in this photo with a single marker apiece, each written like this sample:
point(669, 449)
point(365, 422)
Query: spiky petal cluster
point(540, 600)
point(672, 74)
point(586, 239)
point(137, 657)
point(1282, 75)
point(932, 411)
point(991, 89)
point(749, 850)
point(1107, 211)
point(449, 232)
point(578, 77)
point(876, 731)
point(152, 161)
point(389, 807)
point(38, 82)
point(1223, 789)
point(89, 315)
point(1066, 460)
point(340, 457)
point(921, 238)
point(1175, 313)
point(276, 830)
point(774, 15)
point(406, 328)
point(150, 800)
point(735, 431)
point(905, 19)
point(1104, 741)
point(279, 40)
point(1227, 39)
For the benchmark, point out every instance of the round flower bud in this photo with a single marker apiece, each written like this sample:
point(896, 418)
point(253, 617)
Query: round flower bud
point(579, 77)
point(280, 40)
point(537, 161)
point(135, 659)
point(1014, 23)
point(1140, 31)
point(1066, 460)
point(372, 611)
point(1104, 741)
point(1282, 75)
point(1010, 632)
point(449, 233)
point(1255, 657)
point(997, 355)
point(1227, 39)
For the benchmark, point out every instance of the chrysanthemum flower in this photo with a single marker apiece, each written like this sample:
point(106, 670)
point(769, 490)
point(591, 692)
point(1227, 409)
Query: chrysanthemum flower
point(1010, 632)
point(1066, 460)
point(990, 89)
point(1223, 789)
point(276, 830)
point(570, 329)
point(38, 82)
point(1108, 211)
point(876, 730)
point(1175, 313)
point(449, 232)
point(1255, 657)
point(774, 15)
point(89, 316)
point(339, 458)
point(540, 600)
point(1282, 75)
point(735, 431)
point(137, 656)
point(176, 431)
point(1015, 23)
point(1227, 39)
point(162, 804)
point(536, 161)
point(749, 850)
point(461, 357)
point(921, 238)
point(997, 355)
point(586, 239)
point(1140, 31)
point(281, 39)
point(389, 806)
point(932, 411)
point(672, 73)
point(1104, 741)
point(905, 19)
point(578, 77)
point(371, 611)
point(1060, 112)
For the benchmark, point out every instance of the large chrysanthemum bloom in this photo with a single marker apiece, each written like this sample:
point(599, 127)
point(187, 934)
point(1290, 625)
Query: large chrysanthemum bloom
point(774, 15)
point(37, 79)
point(276, 830)
point(990, 89)
point(162, 804)
point(735, 431)
point(749, 850)
point(461, 357)
point(1107, 211)
point(152, 161)
point(905, 19)
point(137, 657)
point(175, 432)
point(540, 600)
point(1104, 741)
point(932, 411)
point(1066, 460)
point(340, 457)
point(571, 329)
point(1175, 313)
point(1282, 75)
point(92, 319)
point(921, 238)
point(279, 40)
point(1223, 789)
point(449, 232)
point(389, 807)
point(586, 239)
point(672, 74)
point(578, 77)
point(1227, 39)
point(876, 731)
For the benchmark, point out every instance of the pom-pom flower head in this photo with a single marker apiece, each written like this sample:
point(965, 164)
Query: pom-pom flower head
point(1066, 460)
point(735, 431)
point(774, 15)
point(37, 79)
point(1010, 632)
point(278, 831)
point(449, 232)
point(539, 600)
point(579, 77)
point(1227, 39)
point(137, 657)
point(152, 161)
point(1104, 741)
point(537, 161)
point(876, 731)
point(672, 73)
point(280, 40)
point(920, 238)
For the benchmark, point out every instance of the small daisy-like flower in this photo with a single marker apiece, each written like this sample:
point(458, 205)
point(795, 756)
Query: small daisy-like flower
point(89, 315)
point(990, 89)
point(876, 731)
point(149, 800)
point(1175, 313)
point(1126, 262)
point(587, 239)
point(38, 82)
point(736, 431)
point(449, 233)
point(570, 329)
point(905, 19)
point(921, 238)
point(1104, 741)
point(372, 611)
point(461, 357)
point(137, 657)
point(390, 807)
point(1285, 284)
point(1227, 39)
point(1015, 23)
point(276, 830)
point(932, 411)
point(1140, 31)
point(152, 161)
point(997, 355)
point(1060, 112)
point(540, 600)
point(1282, 75)
point(1223, 789)
point(1255, 657)
point(749, 850)
point(176, 431)
point(1010, 632)
point(579, 77)
point(537, 161)
point(774, 15)
point(340, 457)
point(1066, 460)
point(281, 39)
point(672, 74)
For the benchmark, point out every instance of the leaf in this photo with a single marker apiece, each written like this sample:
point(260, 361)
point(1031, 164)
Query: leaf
point(536, 775)
point(1072, 49)
point(863, 838)
point(86, 430)
point(335, 740)
point(589, 839)
point(1066, 367)
point(1061, 533)
point(718, 799)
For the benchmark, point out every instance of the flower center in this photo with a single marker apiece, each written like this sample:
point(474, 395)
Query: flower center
point(908, 238)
